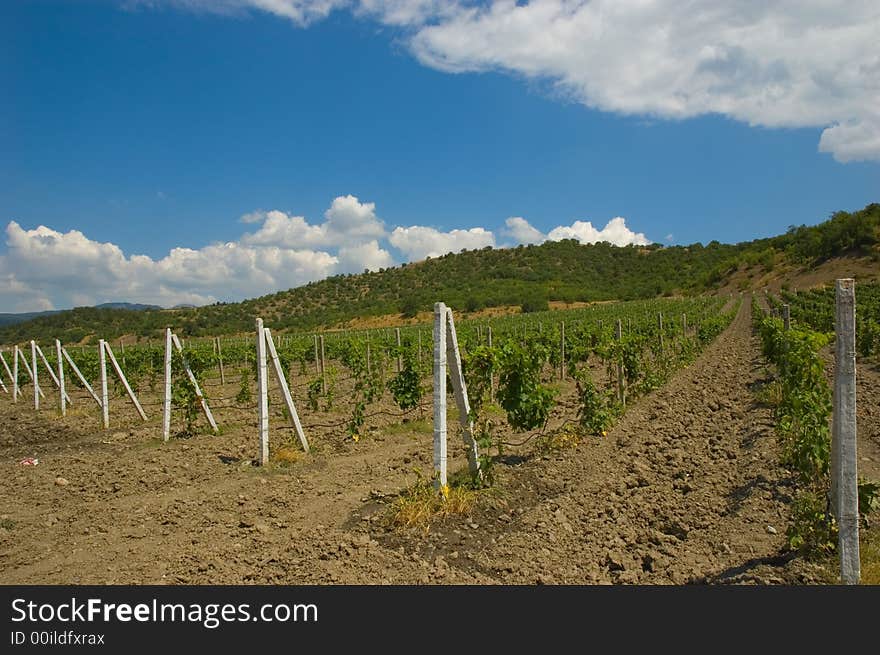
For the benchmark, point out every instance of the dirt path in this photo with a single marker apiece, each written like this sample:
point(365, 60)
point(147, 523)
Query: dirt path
point(686, 488)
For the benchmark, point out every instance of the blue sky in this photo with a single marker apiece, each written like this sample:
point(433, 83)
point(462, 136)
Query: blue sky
point(134, 136)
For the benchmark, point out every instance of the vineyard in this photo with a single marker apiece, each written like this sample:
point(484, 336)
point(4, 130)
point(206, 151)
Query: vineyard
point(815, 308)
point(619, 442)
point(339, 381)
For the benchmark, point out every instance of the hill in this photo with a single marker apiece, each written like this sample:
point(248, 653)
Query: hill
point(529, 277)
point(11, 319)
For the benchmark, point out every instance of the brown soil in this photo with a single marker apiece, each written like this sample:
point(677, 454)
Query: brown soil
point(685, 488)
point(756, 278)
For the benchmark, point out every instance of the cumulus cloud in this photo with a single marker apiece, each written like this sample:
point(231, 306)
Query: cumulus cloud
point(615, 232)
point(366, 256)
point(774, 63)
point(521, 231)
point(283, 230)
point(44, 268)
point(418, 242)
point(347, 220)
point(777, 63)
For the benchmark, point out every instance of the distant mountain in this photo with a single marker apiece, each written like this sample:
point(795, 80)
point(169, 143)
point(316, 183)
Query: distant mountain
point(12, 319)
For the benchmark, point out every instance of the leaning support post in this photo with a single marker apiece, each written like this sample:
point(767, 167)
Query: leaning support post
point(263, 393)
point(786, 317)
point(192, 378)
point(124, 381)
point(62, 395)
point(105, 404)
point(166, 405)
point(15, 391)
point(20, 355)
point(459, 388)
point(52, 375)
point(845, 492)
point(291, 408)
point(440, 396)
point(79, 374)
point(34, 374)
point(11, 377)
point(9, 373)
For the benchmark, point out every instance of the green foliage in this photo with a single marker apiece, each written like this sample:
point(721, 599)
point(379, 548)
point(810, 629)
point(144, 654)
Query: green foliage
point(596, 413)
point(183, 394)
point(406, 386)
point(479, 364)
point(805, 408)
point(244, 396)
point(535, 303)
point(520, 392)
point(367, 381)
point(486, 439)
point(813, 532)
point(844, 232)
point(802, 414)
point(869, 497)
point(315, 389)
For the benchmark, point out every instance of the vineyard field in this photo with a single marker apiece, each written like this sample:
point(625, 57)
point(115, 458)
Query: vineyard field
point(676, 486)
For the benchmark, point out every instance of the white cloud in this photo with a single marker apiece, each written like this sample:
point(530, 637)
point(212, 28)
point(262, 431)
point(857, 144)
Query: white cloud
point(774, 63)
point(407, 12)
point(257, 216)
point(366, 256)
point(418, 242)
point(348, 221)
point(280, 229)
point(44, 268)
point(301, 12)
point(521, 231)
point(857, 140)
point(615, 232)
point(349, 218)
point(771, 63)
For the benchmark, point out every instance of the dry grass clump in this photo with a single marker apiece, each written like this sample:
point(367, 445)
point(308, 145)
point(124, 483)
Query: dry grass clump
point(422, 505)
point(286, 456)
